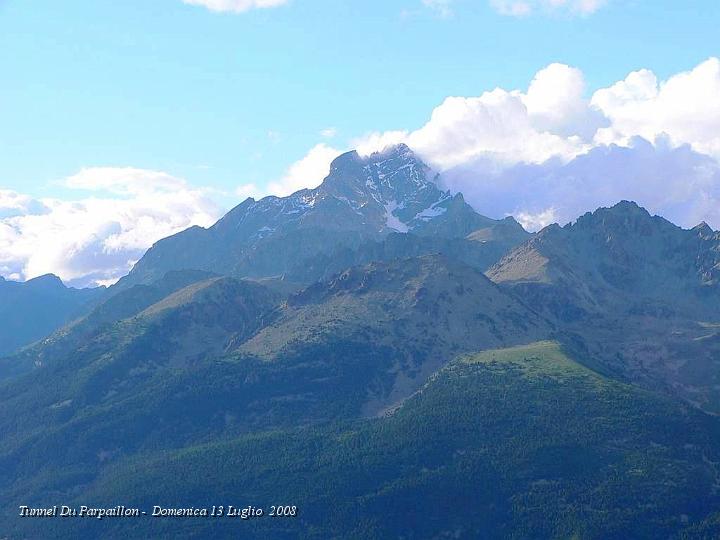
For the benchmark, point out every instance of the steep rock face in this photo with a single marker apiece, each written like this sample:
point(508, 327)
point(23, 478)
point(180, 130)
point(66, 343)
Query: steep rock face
point(362, 200)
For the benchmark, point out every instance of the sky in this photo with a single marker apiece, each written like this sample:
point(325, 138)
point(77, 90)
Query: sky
point(124, 122)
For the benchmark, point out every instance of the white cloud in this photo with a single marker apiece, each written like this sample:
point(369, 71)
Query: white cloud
point(248, 190)
point(235, 6)
point(556, 103)
point(552, 118)
point(522, 8)
point(14, 204)
point(441, 7)
point(96, 239)
point(495, 125)
point(376, 141)
point(308, 172)
point(123, 180)
point(538, 220)
point(328, 133)
point(686, 107)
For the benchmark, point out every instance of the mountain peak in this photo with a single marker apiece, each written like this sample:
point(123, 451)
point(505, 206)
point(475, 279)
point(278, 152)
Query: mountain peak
point(627, 206)
point(397, 155)
point(624, 217)
point(344, 160)
point(47, 281)
point(394, 151)
point(703, 230)
point(392, 189)
point(622, 209)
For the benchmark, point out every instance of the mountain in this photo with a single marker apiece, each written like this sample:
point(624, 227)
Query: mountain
point(636, 293)
point(33, 309)
point(352, 346)
point(352, 219)
point(409, 317)
point(480, 249)
point(130, 384)
point(394, 365)
point(222, 357)
point(521, 442)
point(619, 255)
point(104, 310)
point(363, 200)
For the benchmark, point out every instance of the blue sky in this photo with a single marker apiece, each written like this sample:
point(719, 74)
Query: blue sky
point(122, 122)
point(224, 99)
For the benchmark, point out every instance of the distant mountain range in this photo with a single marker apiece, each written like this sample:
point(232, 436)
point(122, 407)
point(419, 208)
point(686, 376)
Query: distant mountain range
point(376, 352)
point(381, 207)
point(34, 309)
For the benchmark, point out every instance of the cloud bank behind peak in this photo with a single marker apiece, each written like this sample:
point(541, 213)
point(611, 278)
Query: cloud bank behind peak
point(97, 237)
point(551, 152)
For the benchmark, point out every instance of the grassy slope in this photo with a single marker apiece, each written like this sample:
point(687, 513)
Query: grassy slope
point(512, 443)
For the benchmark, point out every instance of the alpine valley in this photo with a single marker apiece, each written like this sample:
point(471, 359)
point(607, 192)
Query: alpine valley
point(382, 358)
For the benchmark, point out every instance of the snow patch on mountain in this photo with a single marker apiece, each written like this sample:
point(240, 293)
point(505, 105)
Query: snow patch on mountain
point(391, 220)
point(432, 212)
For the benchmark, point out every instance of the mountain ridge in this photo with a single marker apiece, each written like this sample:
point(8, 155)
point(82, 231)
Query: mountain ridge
point(624, 248)
point(637, 293)
point(362, 199)
point(33, 309)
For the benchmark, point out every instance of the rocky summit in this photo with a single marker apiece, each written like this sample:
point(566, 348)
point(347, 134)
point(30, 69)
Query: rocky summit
point(364, 198)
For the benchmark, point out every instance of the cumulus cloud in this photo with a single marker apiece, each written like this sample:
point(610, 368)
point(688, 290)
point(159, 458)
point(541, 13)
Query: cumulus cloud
point(495, 125)
point(309, 172)
point(551, 118)
point(521, 8)
point(686, 107)
point(249, 190)
point(556, 103)
point(96, 239)
point(235, 6)
point(123, 180)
